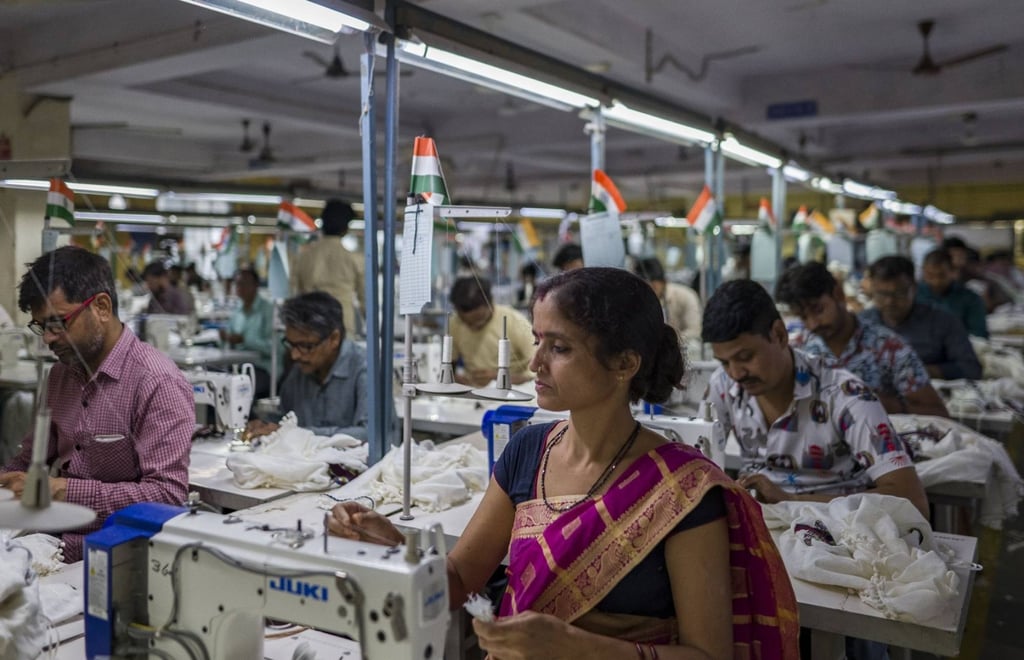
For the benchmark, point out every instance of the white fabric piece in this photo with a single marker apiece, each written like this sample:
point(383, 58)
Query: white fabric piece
point(965, 455)
point(884, 551)
point(296, 459)
point(22, 628)
point(442, 477)
point(60, 601)
point(998, 362)
point(1009, 318)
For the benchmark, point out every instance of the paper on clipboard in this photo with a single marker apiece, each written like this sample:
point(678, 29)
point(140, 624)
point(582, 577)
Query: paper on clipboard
point(417, 246)
point(601, 240)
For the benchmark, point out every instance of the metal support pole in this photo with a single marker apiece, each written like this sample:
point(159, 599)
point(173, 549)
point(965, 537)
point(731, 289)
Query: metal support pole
point(779, 211)
point(368, 131)
point(388, 317)
point(596, 128)
point(718, 240)
point(408, 392)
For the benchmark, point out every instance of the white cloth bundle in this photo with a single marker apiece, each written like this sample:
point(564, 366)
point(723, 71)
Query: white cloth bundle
point(965, 455)
point(879, 546)
point(441, 476)
point(1009, 318)
point(297, 459)
point(22, 628)
point(997, 362)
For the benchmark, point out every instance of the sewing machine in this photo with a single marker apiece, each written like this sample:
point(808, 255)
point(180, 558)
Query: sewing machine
point(182, 583)
point(701, 432)
point(230, 395)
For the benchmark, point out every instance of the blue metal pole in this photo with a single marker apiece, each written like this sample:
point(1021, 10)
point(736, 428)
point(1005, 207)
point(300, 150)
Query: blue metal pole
point(388, 316)
point(368, 130)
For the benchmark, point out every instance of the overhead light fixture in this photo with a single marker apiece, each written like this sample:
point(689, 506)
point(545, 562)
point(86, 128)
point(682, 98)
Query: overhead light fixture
point(734, 149)
point(671, 221)
point(230, 198)
point(622, 116)
point(304, 18)
point(936, 215)
point(826, 184)
point(85, 188)
point(795, 173)
point(856, 189)
point(494, 77)
point(901, 208)
point(141, 218)
point(311, 203)
point(532, 212)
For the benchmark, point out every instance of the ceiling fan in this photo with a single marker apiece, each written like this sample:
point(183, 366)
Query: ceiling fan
point(927, 66)
point(334, 68)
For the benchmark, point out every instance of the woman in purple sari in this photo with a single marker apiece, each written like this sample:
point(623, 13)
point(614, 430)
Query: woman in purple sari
point(621, 544)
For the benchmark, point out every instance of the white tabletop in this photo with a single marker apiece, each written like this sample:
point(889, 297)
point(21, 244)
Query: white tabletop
point(208, 474)
point(23, 376)
point(208, 356)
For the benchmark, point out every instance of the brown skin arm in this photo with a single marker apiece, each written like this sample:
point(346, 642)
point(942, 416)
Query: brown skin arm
point(15, 482)
point(901, 483)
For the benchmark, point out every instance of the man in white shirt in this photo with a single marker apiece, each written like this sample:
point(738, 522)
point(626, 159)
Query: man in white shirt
point(807, 431)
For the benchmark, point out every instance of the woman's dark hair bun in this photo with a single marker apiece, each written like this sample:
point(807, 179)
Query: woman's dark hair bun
point(668, 369)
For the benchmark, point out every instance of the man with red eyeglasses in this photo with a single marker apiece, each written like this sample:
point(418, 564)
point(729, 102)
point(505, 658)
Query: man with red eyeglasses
point(122, 412)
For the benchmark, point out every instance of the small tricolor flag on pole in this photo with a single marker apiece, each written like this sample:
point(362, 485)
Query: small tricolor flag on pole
point(765, 215)
point(704, 214)
point(60, 201)
point(427, 180)
point(605, 196)
point(294, 218)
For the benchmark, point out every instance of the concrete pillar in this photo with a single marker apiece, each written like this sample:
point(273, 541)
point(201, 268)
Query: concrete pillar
point(38, 128)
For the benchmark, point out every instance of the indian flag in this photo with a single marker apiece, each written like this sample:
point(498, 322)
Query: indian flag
point(869, 217)
point(704, 214)
point(604, 196)
point(765, 215)
point(800, 219)
point(226, 240)
point(427, 177)
point(821, 222)
point(294, 218)
point(60, 201)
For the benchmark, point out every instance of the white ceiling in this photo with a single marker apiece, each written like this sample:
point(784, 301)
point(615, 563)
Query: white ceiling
point(160, 88)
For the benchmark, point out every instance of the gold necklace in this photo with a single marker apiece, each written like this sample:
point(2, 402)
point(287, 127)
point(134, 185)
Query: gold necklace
point(608, 471)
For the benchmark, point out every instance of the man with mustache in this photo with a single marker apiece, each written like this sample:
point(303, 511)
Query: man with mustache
point(326, 385)
point(874, 353)
point(122, 412)
point(807, 431)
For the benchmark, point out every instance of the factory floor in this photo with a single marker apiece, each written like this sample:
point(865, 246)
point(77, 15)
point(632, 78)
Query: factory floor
point(997, 605)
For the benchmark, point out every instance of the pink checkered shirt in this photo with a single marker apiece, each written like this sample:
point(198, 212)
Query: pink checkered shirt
point(120, 438)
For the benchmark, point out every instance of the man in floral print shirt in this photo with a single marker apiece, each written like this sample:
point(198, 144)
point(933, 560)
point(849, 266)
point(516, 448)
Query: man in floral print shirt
point(807, 431)
point(877, 355)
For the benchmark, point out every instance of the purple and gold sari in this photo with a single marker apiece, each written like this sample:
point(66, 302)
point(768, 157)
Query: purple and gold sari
point(565, 564)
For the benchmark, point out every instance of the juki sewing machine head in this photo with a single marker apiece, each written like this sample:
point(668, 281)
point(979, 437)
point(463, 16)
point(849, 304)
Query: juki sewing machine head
point(191, 584)
point(230, 395)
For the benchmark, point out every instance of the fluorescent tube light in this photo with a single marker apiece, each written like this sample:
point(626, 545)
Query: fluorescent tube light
point(312, 203)
point(231, 198)
point(855, 189)
point(502, 80)
point(795, 173)
point(302, 17)
point(145, 218)
point(902, 208)
point(621, 115)
point(85, 188)
point(530, 212)
point(936, 215)
point(732, 147)
point(825, 184)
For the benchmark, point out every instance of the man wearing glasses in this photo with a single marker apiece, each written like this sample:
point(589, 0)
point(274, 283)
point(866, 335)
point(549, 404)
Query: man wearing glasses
point(326, 385)
point(939, 339)
point(122, 412)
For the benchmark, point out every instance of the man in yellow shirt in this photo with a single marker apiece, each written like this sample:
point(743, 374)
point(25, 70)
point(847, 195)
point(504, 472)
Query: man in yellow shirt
point(326, 265)
point(476, 329)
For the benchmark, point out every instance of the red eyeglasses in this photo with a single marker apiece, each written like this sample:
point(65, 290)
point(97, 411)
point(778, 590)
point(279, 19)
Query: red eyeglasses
point(59, 325)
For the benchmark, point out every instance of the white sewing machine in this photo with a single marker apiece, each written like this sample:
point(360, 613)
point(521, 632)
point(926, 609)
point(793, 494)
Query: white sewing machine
point(197, 584)
point(700, 432)
point(230, 395)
